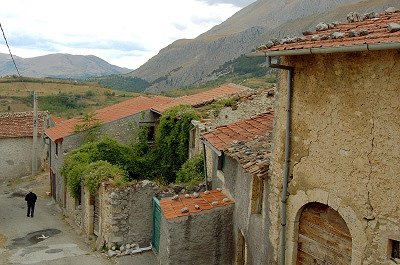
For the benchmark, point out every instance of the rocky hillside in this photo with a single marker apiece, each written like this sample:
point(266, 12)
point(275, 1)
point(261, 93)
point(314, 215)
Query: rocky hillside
point(59, 66)
point(187, 62)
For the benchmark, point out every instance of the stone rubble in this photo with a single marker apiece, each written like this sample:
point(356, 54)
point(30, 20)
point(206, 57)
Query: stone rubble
point(393, 27)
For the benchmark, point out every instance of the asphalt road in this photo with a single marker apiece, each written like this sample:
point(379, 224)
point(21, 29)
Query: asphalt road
point(43, 239)
point(46, 239)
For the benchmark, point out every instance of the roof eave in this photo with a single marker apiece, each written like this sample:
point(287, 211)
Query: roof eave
point(208, 144)
point(353, 48)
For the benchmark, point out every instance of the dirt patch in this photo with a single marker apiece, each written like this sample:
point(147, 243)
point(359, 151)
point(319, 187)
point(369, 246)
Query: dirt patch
point(3, 240)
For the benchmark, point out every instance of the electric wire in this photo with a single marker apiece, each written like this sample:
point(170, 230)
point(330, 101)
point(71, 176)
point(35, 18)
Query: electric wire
point(12, 57)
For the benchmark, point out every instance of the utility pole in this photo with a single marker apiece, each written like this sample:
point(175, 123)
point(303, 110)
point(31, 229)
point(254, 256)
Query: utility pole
point(35, 133)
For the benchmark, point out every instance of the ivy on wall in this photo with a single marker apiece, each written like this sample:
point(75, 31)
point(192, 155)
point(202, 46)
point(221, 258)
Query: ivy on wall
point(96, 161)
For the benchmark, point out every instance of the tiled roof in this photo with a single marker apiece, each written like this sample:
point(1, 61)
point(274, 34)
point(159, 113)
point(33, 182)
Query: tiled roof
point(184, 205)
point(245, 130)
point(20, 124)
point(370, 29)
point(203, 97)
point(108, 114)
point(247, 141)
point(57, 120)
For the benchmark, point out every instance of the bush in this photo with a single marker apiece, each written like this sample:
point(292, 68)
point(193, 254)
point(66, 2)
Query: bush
point(192, 171)
point(172, 140)
point(74, 164)
point(100, 171)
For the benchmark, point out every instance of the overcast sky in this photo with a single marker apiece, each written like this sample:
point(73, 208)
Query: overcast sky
point(123, 32)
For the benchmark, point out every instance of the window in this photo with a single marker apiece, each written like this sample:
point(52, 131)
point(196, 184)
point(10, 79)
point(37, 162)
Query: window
point(257, 195)
point(394, 249)
point(56, 151)
point(151, 132)
point(221, 162)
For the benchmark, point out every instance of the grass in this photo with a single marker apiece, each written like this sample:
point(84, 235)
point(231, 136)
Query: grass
point(83, 97)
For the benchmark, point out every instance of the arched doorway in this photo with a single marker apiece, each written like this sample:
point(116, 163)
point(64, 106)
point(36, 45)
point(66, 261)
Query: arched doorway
point(324, 237)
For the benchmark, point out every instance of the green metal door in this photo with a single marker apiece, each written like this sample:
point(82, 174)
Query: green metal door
point(155, 240)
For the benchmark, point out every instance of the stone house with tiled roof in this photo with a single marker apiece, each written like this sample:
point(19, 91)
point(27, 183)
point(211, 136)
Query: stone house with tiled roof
point(334, 182)
point(16, 142)
point(120, 121)
point(238, 158)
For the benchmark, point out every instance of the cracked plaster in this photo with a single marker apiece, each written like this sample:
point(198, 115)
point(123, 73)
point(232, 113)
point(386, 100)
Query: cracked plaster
point(345, 129)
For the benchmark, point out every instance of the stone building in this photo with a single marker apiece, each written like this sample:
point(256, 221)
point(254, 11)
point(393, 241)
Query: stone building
point(16, 143)
point(238, 157)
point(335, 144)
point(98, 214)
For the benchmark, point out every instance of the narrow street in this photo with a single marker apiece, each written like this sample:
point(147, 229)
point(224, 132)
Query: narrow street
point(46, 238)
point(43, 239)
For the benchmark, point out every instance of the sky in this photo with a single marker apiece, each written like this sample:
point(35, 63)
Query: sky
point(126, 33)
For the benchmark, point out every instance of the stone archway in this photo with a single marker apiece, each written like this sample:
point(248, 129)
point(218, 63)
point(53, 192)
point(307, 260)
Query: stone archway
point(323, 236)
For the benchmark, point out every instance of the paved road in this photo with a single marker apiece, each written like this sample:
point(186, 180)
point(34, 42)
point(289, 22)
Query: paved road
point(46, 239)
point(43, 239)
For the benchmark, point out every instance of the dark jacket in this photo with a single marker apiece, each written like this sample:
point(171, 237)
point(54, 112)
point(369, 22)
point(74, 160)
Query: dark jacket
point(30, 198)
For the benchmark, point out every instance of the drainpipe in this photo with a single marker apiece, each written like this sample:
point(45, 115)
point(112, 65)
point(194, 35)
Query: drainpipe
point(285, 176)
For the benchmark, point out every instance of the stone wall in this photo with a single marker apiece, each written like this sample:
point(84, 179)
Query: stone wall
point(345, 133)
point(201, 238)
point(16, 156)
point(126, 214)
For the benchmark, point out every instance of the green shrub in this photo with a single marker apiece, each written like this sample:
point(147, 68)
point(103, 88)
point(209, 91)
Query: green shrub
point(74, 165)
point(100, 171)
point(192, 171)
point(172, 140)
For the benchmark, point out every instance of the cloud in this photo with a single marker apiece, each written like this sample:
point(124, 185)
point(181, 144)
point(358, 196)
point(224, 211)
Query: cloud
point(108, 29)
point(240, 3)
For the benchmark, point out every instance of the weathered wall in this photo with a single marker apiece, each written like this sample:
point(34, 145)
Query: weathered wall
point(123, 130)
point(345, 133)
point(201, 238)
point(254, 226)
point(16, 156)
point(126, 214)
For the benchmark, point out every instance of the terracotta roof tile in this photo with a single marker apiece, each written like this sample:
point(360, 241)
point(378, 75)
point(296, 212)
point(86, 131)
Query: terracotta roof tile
point(203, 97)
point(377, 34)
point(247, 141)
point(223, 136)
point(173, 208)
point(108, 114)
point(20, 124)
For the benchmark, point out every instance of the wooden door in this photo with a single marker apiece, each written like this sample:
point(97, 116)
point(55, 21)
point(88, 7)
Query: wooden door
point(240, 249)
point(324, 237)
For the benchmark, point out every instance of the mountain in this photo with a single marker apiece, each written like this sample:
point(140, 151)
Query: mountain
point(189, 61)
point(59, 65)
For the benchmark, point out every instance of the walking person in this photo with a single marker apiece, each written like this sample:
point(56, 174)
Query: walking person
point(30, 198)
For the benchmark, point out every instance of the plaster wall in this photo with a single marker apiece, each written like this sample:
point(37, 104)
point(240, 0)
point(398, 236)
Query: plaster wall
point(254, 226)
point(16, 156)
point(345, 133)
point(201, 238)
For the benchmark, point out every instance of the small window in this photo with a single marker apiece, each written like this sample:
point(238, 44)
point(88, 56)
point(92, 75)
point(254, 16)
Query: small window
point(394, 249)
point(56, 151)
point(257, 195)
point(221, 162)
point(151, 134)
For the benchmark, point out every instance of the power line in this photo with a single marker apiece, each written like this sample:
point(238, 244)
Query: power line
point(12, 57)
